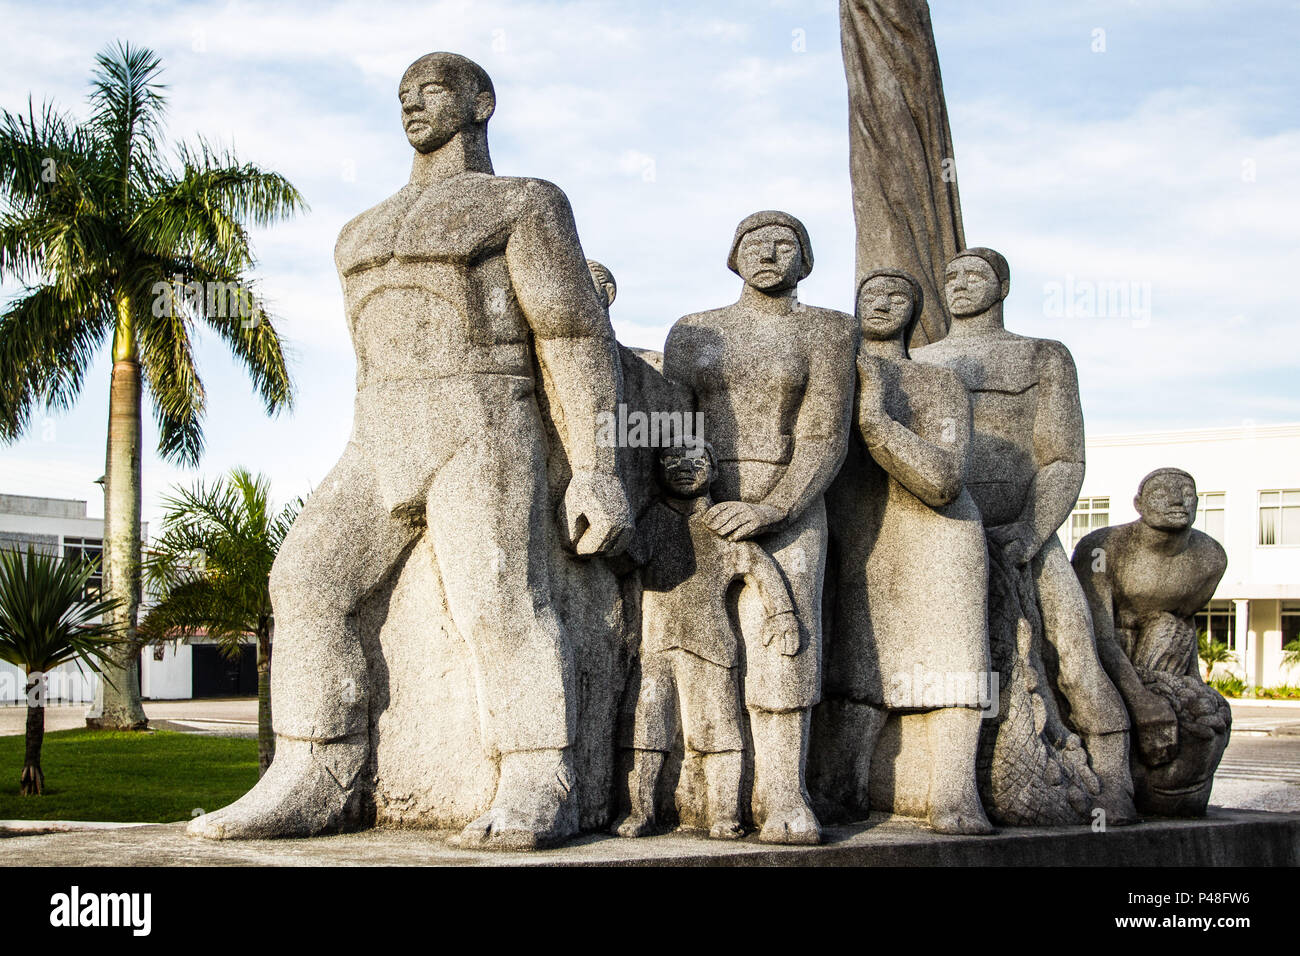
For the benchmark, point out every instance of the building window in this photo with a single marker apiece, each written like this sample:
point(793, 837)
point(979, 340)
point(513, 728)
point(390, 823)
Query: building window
point(1219, 621)
point(1210, 514)
point(1279, 517)
point(91, 550)
point(1088, 515)
point(1290, 622)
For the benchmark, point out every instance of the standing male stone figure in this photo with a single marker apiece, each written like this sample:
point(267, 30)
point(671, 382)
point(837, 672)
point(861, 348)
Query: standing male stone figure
point(453, 287)
point(1025, 474)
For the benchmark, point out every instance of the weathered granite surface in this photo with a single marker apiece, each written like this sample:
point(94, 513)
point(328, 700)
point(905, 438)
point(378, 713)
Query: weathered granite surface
point(484, 353)
point(909, 627)
point(1145, 581)
point(901, 157)
point(773, 379)
point(1223, 838)
point(1025, 473)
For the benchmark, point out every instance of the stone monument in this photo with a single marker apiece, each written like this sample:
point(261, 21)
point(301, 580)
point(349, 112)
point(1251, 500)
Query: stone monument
point(1025, 473)
point(1145, 581)
point(773, 379)
point(467, 295)
point(908, 631)
point(686, 680)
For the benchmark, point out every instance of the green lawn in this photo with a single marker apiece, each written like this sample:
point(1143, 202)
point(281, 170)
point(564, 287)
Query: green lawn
point(156, 777)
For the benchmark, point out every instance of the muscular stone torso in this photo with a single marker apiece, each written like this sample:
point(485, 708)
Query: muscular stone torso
point(1179, 584)
point(441, 343)
point(1002, 374)
point(749, 373)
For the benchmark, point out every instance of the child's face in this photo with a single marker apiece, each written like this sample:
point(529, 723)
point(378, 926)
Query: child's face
point(686, 472)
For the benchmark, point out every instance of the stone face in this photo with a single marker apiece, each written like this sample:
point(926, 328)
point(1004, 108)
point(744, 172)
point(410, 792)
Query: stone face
point(773, 381)
point(484, 354)
point(1025, 473)
point(1145, 581)
point(908, 626)
point(905, 198)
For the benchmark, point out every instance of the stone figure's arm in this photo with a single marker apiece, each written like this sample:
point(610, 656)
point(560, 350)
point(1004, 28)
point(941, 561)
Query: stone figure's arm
point(576, 348)
point(1155, 726)
point(934, 471)
point(821, 429)
point(759, 571)
point(1058, 449)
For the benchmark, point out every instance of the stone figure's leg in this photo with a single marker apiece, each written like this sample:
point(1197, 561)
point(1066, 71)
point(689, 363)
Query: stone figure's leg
point(654, 725)
point(342, 545)
point(723, 772)
point(489, 524)
point(955, 806)
point(846, 732)
point(710, 709)
point(1096, 708)
point(784, 689)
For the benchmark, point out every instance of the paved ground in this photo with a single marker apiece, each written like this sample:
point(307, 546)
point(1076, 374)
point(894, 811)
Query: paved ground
point(229, 716)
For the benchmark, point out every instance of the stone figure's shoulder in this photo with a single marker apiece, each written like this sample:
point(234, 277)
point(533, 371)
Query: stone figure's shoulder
point(372, 233)
point(832, 325)
point(524, 195)
point(1210, 551)
point(1109, 541)
point(1051, 352)
point(690, 328)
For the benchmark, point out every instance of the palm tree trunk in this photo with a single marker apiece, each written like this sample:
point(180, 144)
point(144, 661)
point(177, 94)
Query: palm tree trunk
point(32, 782)
point(117, 701)
point(265, 736)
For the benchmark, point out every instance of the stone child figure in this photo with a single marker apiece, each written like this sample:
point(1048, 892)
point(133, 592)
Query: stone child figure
point(1145, 581)
point(453, 287)
point(908, 557)
point(773, 379)
point(689, 649)
point(1025, 474)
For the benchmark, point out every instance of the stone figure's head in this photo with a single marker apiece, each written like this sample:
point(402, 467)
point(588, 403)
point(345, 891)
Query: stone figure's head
point(1166, 499)
point(771, 251)
point(687, 470)
point(889, 303)
point(604, 281)
point(976, 280)
point(443, 94)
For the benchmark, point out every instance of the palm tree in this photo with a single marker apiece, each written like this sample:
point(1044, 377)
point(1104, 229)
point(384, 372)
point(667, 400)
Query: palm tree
point(210, 568)
point(1212, 653)
point(114, 244)
point(47, 620)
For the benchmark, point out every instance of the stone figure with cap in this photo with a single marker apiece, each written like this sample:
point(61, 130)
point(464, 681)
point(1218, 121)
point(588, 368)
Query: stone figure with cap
point(908, 626)
point(455, 288)
point(773, 379)
point(1025, 473)
point(1145, 581)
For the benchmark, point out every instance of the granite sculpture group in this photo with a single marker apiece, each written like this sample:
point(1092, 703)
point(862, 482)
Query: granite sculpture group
point(851, 597)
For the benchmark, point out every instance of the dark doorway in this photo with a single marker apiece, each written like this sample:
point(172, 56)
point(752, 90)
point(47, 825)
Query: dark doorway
point(216, 675)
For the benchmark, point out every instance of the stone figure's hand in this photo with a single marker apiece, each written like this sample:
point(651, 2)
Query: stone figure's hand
point(871, 395)
point(1157, 730)
point(784, 629)
point(595, 515)
point(1015, 540)
point(739, 520)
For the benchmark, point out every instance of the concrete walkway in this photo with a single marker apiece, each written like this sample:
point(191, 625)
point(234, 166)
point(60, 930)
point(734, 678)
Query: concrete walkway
point(235, 716)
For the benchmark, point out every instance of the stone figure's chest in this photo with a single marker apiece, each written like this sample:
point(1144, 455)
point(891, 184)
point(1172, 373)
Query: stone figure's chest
point(1146, 586)
point(743, 363)
point(457, 228)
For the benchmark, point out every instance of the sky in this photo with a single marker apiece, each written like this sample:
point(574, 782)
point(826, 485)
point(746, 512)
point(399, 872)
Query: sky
point(1138, 145)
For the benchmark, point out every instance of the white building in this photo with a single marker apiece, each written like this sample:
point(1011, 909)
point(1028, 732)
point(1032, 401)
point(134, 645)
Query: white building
point(170, 672)
point(1248, 482)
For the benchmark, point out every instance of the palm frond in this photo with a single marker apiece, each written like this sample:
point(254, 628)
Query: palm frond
point(45, 620)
